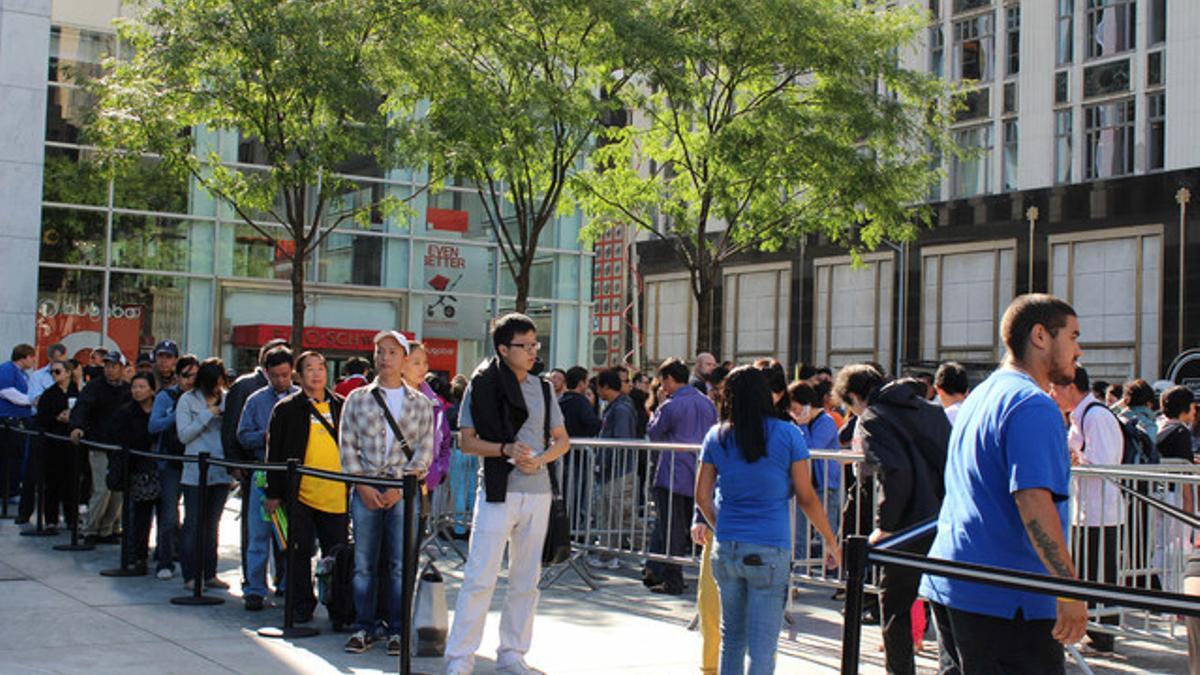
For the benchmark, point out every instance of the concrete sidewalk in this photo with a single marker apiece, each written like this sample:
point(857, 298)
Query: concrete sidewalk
point(58, 615)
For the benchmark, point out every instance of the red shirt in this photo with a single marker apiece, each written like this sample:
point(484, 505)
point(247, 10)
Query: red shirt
point(349, 384)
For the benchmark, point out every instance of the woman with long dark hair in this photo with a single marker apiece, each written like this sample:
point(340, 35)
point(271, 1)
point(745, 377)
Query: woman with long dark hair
point(53, 415)
point(198, 425)
point(754, 463)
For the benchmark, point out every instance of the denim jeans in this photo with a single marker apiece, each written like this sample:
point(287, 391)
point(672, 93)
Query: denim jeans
point(373, 529)
point(753, 598)
point(259, 537)
point(168, 545)
point(191, 524)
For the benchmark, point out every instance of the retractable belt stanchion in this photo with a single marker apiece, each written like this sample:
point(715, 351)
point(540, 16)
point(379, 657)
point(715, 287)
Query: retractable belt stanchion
point(127, 518)
point(409, 572)
point(290, 630)
point(197, 597)
point(39, 447)
point(855, 560)
point(71, 511)
point(10, 432)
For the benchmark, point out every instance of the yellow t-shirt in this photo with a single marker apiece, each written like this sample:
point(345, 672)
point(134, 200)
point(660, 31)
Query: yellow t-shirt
point(322, 453)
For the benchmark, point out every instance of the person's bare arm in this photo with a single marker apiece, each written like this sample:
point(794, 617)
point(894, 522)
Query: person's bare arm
point(1044, 528)
point(472, 444)
point(706, 483)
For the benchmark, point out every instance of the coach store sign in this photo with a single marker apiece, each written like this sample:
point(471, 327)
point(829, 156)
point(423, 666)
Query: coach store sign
point(315, 337)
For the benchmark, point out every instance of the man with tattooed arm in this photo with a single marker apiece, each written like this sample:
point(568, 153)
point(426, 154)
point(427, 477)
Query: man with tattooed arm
point(1007, 487)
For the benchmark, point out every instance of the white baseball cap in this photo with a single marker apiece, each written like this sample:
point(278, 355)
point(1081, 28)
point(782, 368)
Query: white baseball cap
point(395, 335)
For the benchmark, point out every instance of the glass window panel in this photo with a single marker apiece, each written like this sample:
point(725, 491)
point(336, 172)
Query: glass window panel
point(1109, 139)
point(70, 306)
point(1157, 22)
point(1010, 155)
point(972, 174)
point(146, 308)
point(1011, 104)
point(160, 243)
point(351, 259)
point(1062, 87)
point(1013, 35)
point(1106, 78)
point(66, 112)
point(457, 214)
point(147, 186)
point(246, 252)
point(968, 5)
point(72, 236)
point(1062, 146)
point(973, 47)
point(1155, 64)
point(976, 104)
point(69, 177)
point(1065, 33)
point(1110, 27)
point(1156, 131)
point(76, 53)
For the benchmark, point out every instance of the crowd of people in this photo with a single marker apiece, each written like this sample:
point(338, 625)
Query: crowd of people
point(991, 462)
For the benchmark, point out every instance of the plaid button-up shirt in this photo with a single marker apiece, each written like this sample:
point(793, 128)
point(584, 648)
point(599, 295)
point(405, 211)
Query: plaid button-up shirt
point(362, 437)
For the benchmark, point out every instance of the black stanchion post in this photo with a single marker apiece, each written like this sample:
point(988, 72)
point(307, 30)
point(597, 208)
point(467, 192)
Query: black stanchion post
point(290, 630)
point(73, 516)
point(409, 545)
point(127, 517)
point(40, 530)
point(6, 450)
point(197, 597)
point(855, 559)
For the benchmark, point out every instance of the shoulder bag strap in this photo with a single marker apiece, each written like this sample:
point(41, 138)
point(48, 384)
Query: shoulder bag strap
point(378, 396)
point(312, 409)
point(554, 489)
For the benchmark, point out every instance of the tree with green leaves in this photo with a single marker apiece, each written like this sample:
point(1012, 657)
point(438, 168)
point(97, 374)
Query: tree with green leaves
point(303, 81)
point(516, 90)
point(765, 121)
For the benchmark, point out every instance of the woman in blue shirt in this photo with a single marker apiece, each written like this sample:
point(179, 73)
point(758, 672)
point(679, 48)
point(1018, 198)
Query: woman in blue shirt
point(754, 462)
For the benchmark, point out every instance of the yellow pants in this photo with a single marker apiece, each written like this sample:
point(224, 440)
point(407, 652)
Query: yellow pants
point(708, 604)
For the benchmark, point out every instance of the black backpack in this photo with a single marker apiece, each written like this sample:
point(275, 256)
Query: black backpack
point(1138, 448)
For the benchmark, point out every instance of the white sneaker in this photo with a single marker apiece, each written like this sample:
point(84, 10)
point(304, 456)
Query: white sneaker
point(519, 668)
point(166, 574)
point(459, 669)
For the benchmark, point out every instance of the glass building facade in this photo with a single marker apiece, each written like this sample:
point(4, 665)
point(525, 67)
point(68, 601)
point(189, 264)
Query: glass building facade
point(152, 256)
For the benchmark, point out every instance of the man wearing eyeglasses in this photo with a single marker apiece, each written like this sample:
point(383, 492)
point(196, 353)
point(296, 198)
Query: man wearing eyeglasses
point(503, 419)
point(162, 422)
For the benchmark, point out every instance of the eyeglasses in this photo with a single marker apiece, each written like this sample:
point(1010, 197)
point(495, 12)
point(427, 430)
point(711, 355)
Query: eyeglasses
point(527, 346)
point(57, 371)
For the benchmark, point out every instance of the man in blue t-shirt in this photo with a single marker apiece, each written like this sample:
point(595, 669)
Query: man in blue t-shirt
point(16, 407)
point(1007, 482)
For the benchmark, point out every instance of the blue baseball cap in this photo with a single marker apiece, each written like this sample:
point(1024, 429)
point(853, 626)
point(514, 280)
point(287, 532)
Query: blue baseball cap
point(166, 347)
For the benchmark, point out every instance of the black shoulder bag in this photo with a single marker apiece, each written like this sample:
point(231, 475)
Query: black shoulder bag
point(558, 533)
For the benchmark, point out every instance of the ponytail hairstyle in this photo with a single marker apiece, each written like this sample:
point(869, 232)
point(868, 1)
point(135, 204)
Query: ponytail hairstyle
point(745, 409)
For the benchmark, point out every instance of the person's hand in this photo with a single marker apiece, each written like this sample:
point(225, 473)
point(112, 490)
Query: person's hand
point(271, 505)
point(876, 535)
point(216, 412)
point(1071, 623)
point(63, 416)
point(833, 556)
point(371, 498)
point(76, 436)
point(528, 464)
point(388, 497)
point(700, 534)
point(236, 474)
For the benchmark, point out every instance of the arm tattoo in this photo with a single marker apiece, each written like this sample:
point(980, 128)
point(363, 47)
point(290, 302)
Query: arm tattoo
point(1048, 548)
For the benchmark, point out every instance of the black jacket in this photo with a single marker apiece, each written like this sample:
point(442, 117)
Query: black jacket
point(53, 401)
point(235, 400)
point(133, 425)
point(905, 439)
point(95, 410)
point(287, 435)
point(578, 417)
point(497, 410)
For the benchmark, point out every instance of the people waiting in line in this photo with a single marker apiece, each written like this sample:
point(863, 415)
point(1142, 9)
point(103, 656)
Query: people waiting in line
point(138, 472)
point(952, 384)
point(60, 469)
point(162, 423)
point(94, 418)
point(198, 418)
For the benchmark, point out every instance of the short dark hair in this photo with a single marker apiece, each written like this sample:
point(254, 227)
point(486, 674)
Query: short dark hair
point(560, 371)
point(306, 355)
point(1099, 389)
point(675, 369)
point(1082, 382)
point(773, 371)
point(209, 375)
point(357, 365)
point(22, 351)
point(823, 388)
point(186, 361)
point(806, 372)
point(1138, 392)
point(859, 379)
point(952, 378)
point(509, 325)
point(1116, 390)
point(609, 378)
point(824, 370)
point(803, 393)
point(575, 375)
point(268, 346)
point(56, 347)
point(718, 375)
point(148, 377)
point(1176, 401)
point(1030, 310)
point(277, 357)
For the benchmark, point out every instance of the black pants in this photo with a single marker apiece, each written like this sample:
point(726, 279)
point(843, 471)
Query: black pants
point(137, 523)
point(309, 526)
point(977, 644)
point(671, 538)
point(12, 452)
point(897, 592)
point(57, 474)
point(1097, 539)
point(34, 470)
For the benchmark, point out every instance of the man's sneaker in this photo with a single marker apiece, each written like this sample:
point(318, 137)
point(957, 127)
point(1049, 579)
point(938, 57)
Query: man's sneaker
point(166, 574)
point(393, 644)
point(359, 642)
point(519, 668)
point(254, 603)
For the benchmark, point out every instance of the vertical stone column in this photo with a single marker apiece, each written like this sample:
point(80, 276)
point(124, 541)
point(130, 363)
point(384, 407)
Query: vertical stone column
point(24, 47)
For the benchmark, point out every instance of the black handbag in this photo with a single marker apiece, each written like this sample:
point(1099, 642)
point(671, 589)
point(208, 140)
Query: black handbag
point(558, 533)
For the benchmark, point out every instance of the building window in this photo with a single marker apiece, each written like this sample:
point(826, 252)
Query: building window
point(1109, 139)
point(1062, 86)
point(1010, 155)
point(937, 50)
point(1154, 69)
point(976, 104)
point(1012, 33)
point(961, 6)
point(1011, 102)
point(1062, 146)
point(972, 173)
point(1106, 78)
point(1156, 130)
point(973, 45)
point(1110, 27)
point(1065, 32)
point(1157, 22)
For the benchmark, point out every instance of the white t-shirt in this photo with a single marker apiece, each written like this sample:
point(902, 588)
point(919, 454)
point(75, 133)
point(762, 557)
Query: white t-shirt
point(395, 403)
point(952, 411)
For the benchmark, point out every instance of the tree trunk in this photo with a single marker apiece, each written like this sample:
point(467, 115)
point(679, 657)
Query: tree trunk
point(297, 278)
point(522, 283)
point(707, 331)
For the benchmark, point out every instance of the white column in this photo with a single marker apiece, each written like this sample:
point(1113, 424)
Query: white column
point(1183, 87)
point(24, 46)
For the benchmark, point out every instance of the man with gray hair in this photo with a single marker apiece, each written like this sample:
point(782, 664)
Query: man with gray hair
point(705, 364)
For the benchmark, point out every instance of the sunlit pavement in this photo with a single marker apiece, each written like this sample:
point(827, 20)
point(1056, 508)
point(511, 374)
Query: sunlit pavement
point(59, 615)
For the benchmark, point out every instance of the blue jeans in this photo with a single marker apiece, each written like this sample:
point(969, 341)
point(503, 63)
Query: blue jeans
point(753, 598)
point(373, 529)
point(259, 538)
point(167, 547)
point(217, 494)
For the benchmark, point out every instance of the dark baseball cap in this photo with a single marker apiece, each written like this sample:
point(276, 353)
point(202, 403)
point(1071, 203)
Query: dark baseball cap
point(114, 357)
point(143, 357)
point(166, 347)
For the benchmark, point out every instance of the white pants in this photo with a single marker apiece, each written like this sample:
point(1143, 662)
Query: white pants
point(519, 521)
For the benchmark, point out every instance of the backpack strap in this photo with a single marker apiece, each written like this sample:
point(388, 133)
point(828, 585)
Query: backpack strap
point(554, 489)
point(1083, 427)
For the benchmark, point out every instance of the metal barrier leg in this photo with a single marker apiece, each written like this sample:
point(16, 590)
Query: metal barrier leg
point(197, 598)
point(409, 572)
point(289, 629)
point(73, 516)
point(577, 563)
point(855, 560)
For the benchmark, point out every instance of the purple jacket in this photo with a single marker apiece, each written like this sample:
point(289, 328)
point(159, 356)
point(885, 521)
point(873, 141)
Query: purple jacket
point(442, 438)
point(685, 417)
